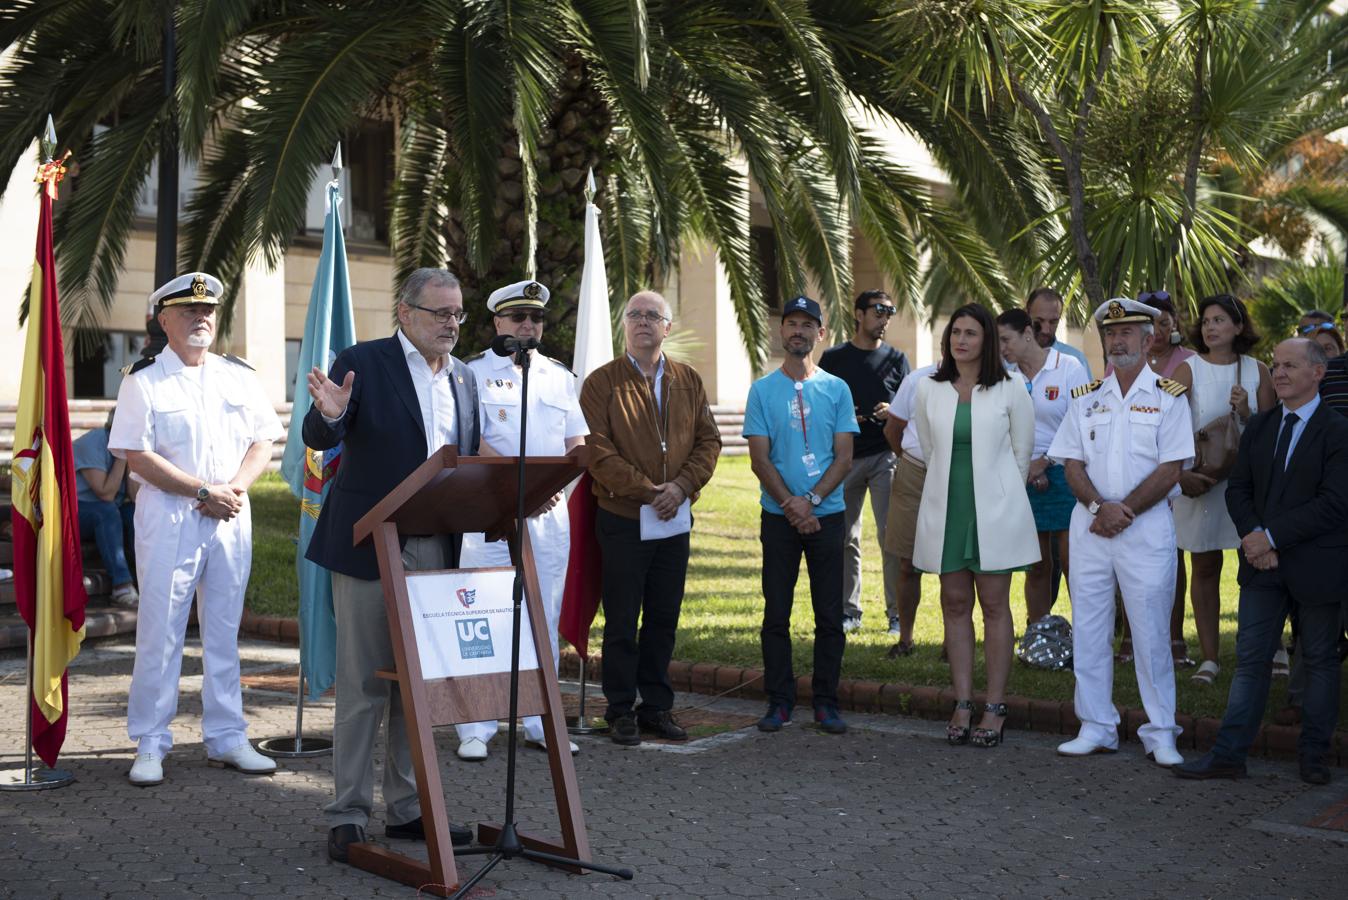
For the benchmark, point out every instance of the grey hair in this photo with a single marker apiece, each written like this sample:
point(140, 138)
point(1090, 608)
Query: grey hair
point(420, 279)
point(1315, 354)
point(1148, 327)
point(664, 304)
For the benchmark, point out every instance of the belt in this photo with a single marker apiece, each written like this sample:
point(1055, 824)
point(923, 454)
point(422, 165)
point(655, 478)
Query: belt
point(913, 459)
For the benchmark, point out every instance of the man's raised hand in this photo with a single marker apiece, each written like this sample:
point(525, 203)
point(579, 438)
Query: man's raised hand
point(330, 398)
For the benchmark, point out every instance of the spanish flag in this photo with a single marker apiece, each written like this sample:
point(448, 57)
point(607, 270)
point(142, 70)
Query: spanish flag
point(48, 574)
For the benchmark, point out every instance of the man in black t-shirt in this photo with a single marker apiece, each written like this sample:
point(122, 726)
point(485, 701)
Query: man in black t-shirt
point(873, 370)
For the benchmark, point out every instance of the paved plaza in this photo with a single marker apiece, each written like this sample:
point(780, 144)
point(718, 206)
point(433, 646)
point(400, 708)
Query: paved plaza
point(886, 811)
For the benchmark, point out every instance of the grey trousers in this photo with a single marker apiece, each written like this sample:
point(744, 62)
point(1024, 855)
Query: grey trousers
point(365, 702)
point(873, 475)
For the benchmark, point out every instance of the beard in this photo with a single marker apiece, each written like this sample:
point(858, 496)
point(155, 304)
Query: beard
point(199, 339)
point(1125, 360)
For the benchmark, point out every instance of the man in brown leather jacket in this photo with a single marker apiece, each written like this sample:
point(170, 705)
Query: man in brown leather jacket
point(653, 445)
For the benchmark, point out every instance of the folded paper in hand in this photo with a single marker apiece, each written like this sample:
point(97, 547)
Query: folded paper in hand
point(653, 528)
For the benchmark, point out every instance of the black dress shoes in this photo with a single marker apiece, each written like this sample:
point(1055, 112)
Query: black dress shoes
point(340, 838)
point(623, 730)
point(1210, 766)
point(459, 835)
point(1314, 772)
point(661, 725)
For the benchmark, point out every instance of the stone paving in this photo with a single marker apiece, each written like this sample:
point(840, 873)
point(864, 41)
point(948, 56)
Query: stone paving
point(887, 811)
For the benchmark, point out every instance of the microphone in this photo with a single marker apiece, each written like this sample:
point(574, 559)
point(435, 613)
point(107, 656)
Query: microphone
point(506, 345)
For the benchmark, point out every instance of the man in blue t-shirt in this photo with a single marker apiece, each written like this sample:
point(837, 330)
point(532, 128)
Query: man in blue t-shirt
point(105, 511)
point(799, 423)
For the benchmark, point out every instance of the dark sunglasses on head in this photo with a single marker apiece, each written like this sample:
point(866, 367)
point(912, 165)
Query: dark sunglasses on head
point(1319, 326)
point(519, 317)
point(884, 310)
point(1163, 296)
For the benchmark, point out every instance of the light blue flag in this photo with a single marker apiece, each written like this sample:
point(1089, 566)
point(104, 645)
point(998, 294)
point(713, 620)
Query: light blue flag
point(328, 329)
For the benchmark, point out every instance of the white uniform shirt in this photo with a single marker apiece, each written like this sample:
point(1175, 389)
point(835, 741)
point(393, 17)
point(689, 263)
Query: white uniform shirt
point(554, 404)
point(901, 407)
point(202, 419)
point(434, 397)
point(1123, 439)
point(1051, 391)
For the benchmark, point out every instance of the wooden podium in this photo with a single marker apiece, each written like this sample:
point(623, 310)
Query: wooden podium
point(449, 494)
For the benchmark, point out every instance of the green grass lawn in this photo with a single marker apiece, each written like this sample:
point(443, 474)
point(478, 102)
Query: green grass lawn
point(722, 607)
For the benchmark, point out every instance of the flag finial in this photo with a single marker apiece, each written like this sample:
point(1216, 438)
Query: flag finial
point(47, 144)
point(589, 186)
point(337, 161)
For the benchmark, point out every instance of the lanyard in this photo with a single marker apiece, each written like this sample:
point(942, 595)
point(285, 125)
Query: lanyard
point(800, 408)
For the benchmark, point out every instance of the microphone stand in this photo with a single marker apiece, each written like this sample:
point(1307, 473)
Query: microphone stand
point(508, 845)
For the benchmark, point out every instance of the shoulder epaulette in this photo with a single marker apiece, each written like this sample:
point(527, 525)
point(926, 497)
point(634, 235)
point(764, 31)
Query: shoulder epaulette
point(1084, 389)
point(559, 363)
point(1171, 387)
point(136, 366)
point(475, 357)
point(238, 361)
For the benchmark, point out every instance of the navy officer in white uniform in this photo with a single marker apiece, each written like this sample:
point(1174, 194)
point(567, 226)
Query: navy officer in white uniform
point(1123, 443)
point(556, 424)
point(196, 429)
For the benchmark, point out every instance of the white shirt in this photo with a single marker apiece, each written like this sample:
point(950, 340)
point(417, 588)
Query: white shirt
point(1304, 413)
point(202, 419)
point(1123, 439)
point(1051, 390)
point(901, 407)
point(554, 404)
point(434, 397)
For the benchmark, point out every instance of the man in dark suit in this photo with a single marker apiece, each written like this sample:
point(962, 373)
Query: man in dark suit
point(391, 403)
point(1288, 496)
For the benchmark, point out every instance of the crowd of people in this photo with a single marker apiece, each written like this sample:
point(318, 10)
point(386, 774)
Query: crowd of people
point(1002, 457)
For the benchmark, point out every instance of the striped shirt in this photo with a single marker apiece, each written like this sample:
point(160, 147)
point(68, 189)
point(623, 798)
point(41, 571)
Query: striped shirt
point(1334, 388)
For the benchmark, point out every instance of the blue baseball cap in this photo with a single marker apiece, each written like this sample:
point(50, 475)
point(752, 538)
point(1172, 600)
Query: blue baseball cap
point(805, 305)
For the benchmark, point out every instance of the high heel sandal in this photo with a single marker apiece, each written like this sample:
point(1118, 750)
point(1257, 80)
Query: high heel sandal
point(986, 737)
point(954, 734)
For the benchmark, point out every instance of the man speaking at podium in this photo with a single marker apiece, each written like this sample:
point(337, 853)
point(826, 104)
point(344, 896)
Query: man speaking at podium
point(391, 403)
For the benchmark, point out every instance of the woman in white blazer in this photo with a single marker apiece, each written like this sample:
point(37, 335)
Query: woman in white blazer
point(975, 421)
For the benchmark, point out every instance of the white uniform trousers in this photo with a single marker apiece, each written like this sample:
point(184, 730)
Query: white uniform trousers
point(181, 554)
point(1142, 560)
point(550, 535)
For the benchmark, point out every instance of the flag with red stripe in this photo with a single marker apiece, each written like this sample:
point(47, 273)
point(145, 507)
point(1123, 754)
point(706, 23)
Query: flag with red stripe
point(48, 572)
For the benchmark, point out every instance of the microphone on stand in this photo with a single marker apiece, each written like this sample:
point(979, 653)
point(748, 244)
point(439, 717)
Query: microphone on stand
point(507, 345)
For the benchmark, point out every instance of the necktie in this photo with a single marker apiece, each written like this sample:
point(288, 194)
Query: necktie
point(1280, 456)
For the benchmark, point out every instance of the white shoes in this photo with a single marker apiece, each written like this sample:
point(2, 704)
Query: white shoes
point(851, 624)
point(126, 596)
point(542, 744)
point(1165, 756)
point(148, 769)
point(1084, 746)
point(473, 750)
point(245, 759)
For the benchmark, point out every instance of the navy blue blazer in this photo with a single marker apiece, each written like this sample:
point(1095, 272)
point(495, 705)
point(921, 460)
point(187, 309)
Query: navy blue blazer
point(383, 441)
point(1307, 513)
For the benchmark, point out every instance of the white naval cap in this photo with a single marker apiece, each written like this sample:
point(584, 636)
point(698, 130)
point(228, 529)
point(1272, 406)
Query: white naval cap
point(520, 295)
point(1122, 310)
point(194, 287)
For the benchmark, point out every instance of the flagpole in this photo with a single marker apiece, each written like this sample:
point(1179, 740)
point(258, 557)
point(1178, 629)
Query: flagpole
point(301, 747)
point(35, 779)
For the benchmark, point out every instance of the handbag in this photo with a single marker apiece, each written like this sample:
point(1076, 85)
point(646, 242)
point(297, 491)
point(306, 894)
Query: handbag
point(1217, 443)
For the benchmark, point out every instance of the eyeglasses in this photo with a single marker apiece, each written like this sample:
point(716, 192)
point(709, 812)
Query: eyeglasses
point(884, 310)
point(653, 318)
point(519, 317)
point(1320, 326)
point(442, 315)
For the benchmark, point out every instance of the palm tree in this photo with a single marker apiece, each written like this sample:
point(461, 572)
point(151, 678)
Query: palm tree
point(1144, 119)
point(500, 109)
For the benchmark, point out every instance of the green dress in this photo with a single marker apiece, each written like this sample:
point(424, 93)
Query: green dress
point(960, 550)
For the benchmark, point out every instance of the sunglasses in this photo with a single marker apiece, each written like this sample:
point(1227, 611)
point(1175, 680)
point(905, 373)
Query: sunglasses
point(884, 310)
point(519, 317)
point(1163, 296)
point(1321, 326)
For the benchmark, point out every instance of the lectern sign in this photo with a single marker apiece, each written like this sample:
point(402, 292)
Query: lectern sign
point(462, 621)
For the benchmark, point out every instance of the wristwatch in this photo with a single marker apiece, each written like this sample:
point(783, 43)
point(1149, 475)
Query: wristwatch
point(1094, 507)
point(203, 492)
point(814, 498)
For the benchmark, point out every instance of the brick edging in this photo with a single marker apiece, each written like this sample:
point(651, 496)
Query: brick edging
point(896, 698)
